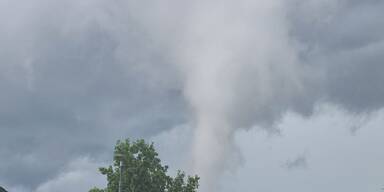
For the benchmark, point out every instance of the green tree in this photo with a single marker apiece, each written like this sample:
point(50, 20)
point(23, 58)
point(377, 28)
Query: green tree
point(96, 190)
point(141, 171)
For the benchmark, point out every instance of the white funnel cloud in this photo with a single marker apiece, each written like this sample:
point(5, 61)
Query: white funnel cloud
point(240, 69)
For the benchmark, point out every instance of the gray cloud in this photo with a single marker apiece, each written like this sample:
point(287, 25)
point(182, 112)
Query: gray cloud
point(300, 162)
point(342, 41)
point(72, 85)
point(79, 175)
point(76, 76)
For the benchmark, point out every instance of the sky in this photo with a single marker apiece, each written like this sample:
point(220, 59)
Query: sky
point(251, 95)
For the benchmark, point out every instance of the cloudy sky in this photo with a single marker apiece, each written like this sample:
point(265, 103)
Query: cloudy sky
point(252, 95)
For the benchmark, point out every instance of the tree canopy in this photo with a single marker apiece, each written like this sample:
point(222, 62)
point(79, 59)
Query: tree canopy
point(141, 171)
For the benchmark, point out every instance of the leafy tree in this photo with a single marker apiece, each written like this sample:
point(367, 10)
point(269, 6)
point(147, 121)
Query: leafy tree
point(96, 190)
point(2, 189)
point(141, 171)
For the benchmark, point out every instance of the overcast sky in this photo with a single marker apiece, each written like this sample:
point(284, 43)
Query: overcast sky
point(253, 95)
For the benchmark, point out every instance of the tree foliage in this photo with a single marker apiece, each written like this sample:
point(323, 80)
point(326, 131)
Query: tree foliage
point(141, 171)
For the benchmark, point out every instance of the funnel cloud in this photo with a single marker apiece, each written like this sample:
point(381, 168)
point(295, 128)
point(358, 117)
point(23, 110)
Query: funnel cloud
point(75, 76)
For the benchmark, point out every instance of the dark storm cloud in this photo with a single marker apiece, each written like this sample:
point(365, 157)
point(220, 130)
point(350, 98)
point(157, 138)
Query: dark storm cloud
point(342, 42)
point(76, 76)
point(71, 85)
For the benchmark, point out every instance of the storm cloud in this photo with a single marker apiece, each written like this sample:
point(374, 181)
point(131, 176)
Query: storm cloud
point(75, 76)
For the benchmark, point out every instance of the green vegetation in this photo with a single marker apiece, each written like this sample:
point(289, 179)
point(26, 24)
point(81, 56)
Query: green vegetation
point(141, 171)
